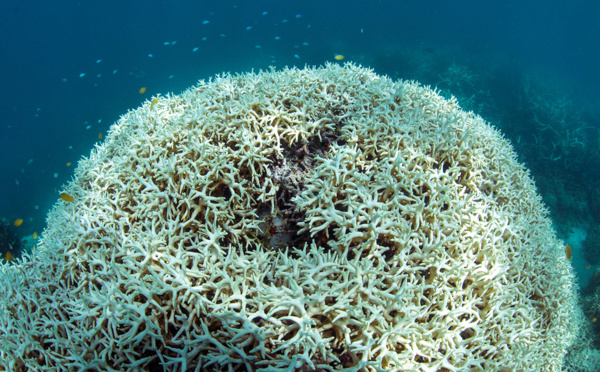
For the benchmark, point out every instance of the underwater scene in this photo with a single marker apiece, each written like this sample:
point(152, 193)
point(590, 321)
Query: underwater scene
point(440, 147)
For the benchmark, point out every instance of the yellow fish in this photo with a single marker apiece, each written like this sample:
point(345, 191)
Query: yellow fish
point(99, 135)
point(8, 256)
point(142, 90)
point(569, 252)
point(338, 57)
point(34, 235)
point(66, 197)
point(154, 102)
point(68, 164)
point(18, 221)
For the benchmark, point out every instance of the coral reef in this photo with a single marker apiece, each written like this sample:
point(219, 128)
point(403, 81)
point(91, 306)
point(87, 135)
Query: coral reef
point(591, 245)
point(316, 219)
point(461, 82)
point(583, 356)
point(564, 134)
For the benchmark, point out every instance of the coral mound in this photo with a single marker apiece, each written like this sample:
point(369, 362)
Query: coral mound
point(305, 219)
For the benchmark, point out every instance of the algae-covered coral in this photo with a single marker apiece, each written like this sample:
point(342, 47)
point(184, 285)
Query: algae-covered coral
point(312, 219)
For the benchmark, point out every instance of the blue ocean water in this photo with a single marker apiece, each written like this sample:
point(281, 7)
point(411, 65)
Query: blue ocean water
point(69, 69)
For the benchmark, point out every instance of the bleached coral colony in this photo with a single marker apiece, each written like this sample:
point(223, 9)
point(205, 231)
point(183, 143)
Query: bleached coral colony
point(310, 219)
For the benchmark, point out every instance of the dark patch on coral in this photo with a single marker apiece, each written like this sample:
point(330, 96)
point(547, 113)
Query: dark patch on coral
point(289, 170)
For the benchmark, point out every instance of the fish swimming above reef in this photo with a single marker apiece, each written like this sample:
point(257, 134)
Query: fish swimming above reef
point(66, 197)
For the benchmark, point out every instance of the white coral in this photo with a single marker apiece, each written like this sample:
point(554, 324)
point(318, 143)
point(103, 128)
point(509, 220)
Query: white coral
point(314, 219)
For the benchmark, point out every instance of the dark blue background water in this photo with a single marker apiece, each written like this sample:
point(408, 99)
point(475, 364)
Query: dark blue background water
point(45, 46)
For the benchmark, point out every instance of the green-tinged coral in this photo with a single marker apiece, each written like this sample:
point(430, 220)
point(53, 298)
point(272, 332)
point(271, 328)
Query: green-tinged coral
point(310, 219)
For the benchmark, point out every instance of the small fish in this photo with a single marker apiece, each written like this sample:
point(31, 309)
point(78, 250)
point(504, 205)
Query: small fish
point(569, 252)
point(8, 256)
point(34, 235)
point(153, 103)
point(587, 267)
point(66, 197)
point(142, 90)
point(99, 135)
point(594, 320)
point(18, 221)
point(339, 57)
point(68, 164)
